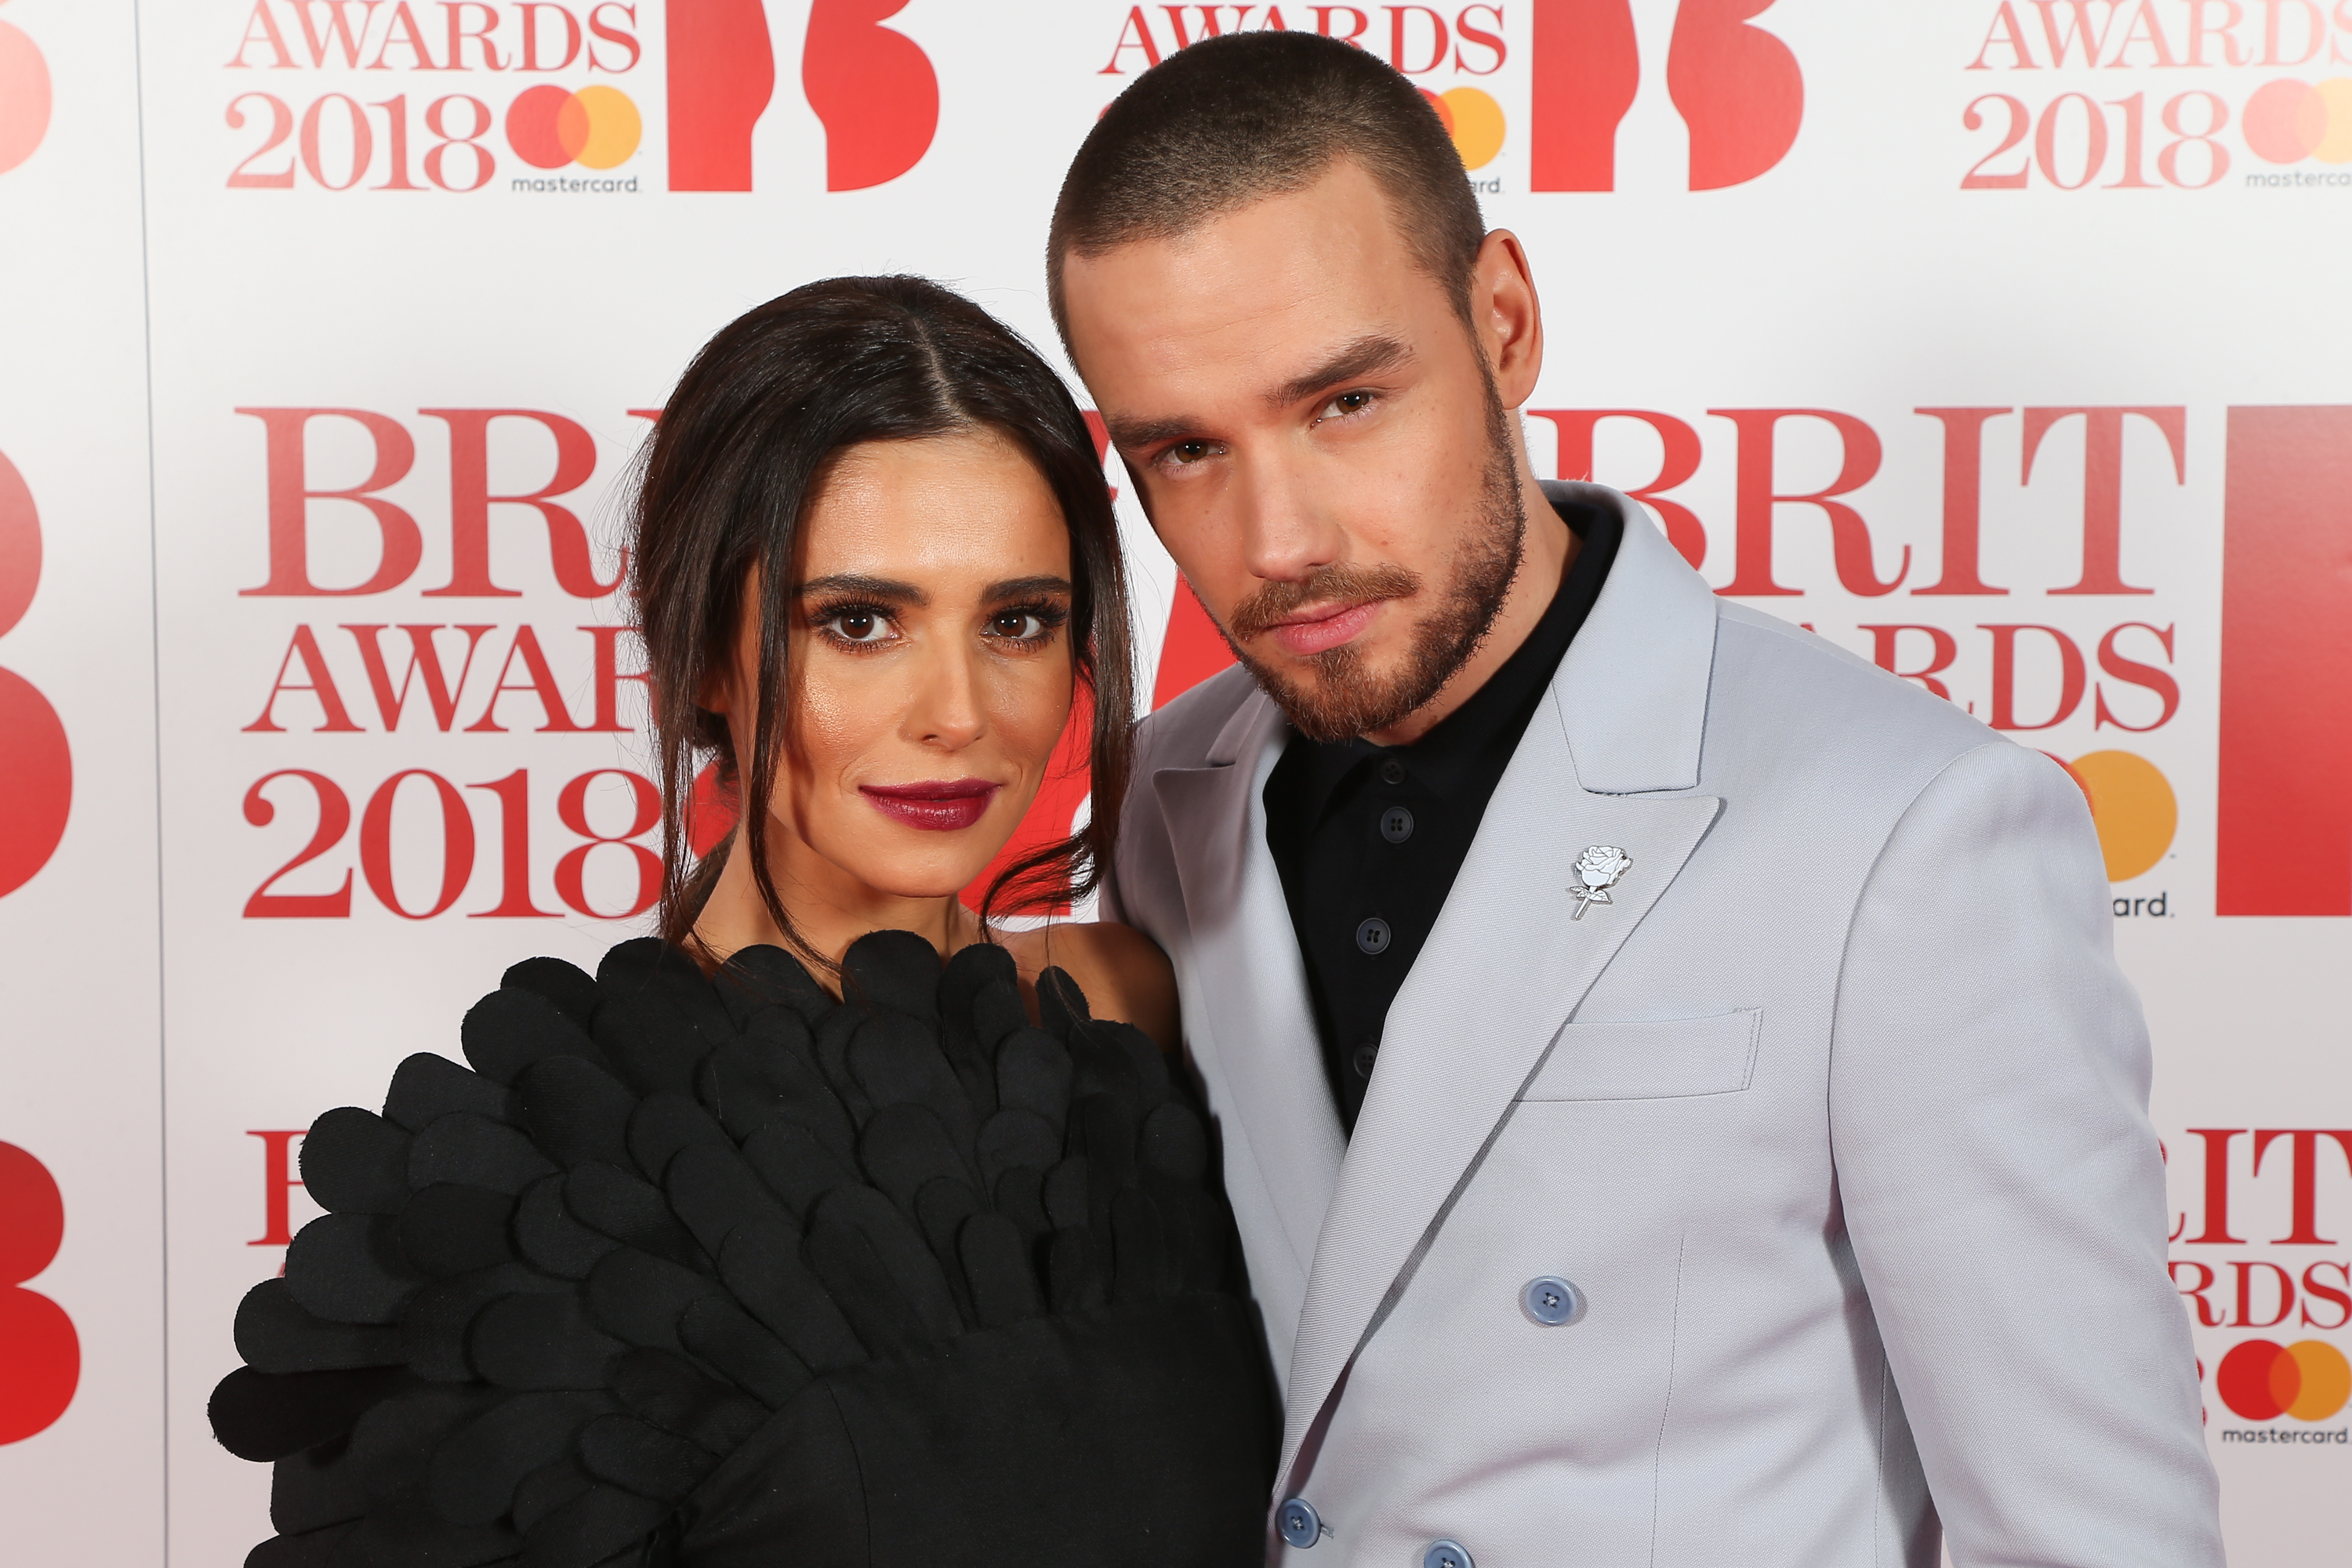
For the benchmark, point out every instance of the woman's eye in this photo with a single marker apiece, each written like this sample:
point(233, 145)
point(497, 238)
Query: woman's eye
point(859, 626)
point(1017, 626)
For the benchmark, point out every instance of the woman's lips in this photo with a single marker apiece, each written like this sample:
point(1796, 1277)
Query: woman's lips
point(934, 806)
point(1318, 630)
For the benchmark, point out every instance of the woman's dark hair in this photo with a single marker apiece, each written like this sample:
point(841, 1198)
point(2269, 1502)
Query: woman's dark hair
point(727, 480)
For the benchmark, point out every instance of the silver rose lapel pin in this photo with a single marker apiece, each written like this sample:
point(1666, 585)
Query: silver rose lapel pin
point(1597, 870)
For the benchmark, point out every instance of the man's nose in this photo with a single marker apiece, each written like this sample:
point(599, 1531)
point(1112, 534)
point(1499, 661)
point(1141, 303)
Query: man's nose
point(1286, 535)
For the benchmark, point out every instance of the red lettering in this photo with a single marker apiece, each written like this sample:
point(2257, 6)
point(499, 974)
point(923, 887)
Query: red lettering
point(277, 1179)
point(1941, 650)
point(2217, 1184)
point(571, 871)
point(1134, 33)
point(267, 33)
point(1440, 42)
point(721, 73)
point(2134, 673)
point(542, 685)
point(2245, 1272)
point(1323, 14)
point(459, 35)
point(339, 29)
point(456, 843)
point(2058, 35)
point(321, 685)
point(1963, 492)
point(424, 660)
point(531, 60)
point(2103, 484)
point(403, 544)
point(2005, 32)
point(2147, 28)
point(1758, 498)
point(470, 502)
point(2302, 1143)
point(2205, 1313)
point(609, 675)
point(614, 36)
point(874, 88)
point(405, 31)
point(2313, 1287)
point(2315, 31)
point(2071, 676)
point(1737, 88)
point(1585, 70)
point(2198, 29)
point(1491, 42)
point(1678, 462)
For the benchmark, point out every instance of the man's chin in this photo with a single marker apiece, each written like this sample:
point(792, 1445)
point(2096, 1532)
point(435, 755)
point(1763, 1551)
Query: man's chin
point(1334, 696)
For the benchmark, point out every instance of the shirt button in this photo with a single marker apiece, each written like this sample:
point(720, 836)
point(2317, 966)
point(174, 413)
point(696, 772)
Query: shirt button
point(1366, 1054)
point(1396, 825)
point(1372, 936)
point(1445, 1553)
point(1299, 1522)
point(1391, 771)
point(1551, 1300)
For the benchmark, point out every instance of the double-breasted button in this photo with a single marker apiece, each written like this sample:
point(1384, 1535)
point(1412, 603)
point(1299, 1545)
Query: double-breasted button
point(1551, 1300)
point(1300, 1524)
point(1372, 936)
point(1445, 1553)
point(1391, 771)
point(1396, 825)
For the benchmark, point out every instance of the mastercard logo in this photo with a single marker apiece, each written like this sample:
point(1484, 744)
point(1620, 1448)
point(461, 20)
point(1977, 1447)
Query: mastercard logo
point(24, 97)
point(2289, 120)
point(2132, 806)
point(596, 126)
point(1474, 120)
point(2260, 1380)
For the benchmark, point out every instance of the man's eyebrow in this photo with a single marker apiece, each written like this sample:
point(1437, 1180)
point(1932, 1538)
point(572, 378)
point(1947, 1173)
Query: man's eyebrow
point(872, 587)
point(1367, 355)
point(1128, 434)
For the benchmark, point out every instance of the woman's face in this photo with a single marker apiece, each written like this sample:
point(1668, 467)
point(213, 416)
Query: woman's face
point(930, 667)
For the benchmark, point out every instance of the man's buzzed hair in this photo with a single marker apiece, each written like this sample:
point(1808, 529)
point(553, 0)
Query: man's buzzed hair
point(1233, 120)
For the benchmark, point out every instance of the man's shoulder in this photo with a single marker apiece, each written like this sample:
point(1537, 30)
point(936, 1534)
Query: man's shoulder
point(1181, 734)
point(1789, 691)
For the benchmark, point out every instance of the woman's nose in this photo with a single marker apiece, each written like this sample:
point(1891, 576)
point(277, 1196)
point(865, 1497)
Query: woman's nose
point(946, 711)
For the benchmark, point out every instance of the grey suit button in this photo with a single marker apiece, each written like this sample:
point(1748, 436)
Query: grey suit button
point(1445, 1553)
point(1396, 825)
point(1551, 1300)
point(1372, 936)
point(1300, 1524)
point(1367, 1056)
point(1391, 771)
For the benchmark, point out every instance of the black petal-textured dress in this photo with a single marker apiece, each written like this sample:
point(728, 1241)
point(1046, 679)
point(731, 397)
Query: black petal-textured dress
point(717, 1272)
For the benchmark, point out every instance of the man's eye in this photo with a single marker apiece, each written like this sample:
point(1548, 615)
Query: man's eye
point(1188, 452)
point(1345, 404)
point(859, 626)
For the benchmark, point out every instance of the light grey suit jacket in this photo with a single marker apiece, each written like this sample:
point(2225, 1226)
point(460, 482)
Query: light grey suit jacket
point(1836, 1114)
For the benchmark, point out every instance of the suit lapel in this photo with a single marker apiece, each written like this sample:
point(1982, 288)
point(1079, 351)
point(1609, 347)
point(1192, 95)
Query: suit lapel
point(1508, 964)
point(1251, 982)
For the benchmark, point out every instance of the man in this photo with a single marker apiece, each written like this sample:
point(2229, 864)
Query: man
point(1674, 1085)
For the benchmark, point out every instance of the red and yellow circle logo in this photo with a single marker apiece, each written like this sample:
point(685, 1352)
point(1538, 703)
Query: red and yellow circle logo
point(2309, 1379)
point(1474, 120)
point(2287, 121)
point(596, 126)
point(24, 97)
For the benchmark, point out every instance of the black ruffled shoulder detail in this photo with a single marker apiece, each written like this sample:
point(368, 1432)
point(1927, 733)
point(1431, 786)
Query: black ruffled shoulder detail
point(720, 1271)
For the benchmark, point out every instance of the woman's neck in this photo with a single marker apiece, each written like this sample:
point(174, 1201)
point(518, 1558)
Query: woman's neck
point(828, 911)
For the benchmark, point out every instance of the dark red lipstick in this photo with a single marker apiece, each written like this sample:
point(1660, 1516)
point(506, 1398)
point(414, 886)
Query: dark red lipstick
point(935, 806)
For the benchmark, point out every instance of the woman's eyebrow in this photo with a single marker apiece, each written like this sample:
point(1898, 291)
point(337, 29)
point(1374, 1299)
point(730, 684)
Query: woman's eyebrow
point(1019, 587)
point(872, 587)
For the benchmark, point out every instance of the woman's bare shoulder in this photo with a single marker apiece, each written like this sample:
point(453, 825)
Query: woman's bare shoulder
point(1122, 971)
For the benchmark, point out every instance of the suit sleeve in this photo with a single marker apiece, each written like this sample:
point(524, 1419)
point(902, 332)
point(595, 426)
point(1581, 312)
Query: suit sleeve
point(2003, 1189)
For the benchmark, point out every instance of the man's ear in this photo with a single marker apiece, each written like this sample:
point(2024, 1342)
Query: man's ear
point(1507, 317)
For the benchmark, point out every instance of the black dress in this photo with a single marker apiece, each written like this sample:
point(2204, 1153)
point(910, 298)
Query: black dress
point(718, 1272)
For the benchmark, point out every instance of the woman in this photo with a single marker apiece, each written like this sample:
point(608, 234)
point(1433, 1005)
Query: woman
point(828, 1227)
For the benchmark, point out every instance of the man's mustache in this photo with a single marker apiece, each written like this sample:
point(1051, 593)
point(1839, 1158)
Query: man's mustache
point(1334, 584)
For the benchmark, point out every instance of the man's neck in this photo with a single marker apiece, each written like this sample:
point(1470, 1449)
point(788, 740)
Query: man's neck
point(1546, 554)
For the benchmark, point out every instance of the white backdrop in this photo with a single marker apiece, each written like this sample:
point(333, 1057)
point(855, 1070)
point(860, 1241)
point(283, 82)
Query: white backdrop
point(432, 255)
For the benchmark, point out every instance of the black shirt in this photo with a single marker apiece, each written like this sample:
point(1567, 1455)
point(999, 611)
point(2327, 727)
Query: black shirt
point(1367, 837)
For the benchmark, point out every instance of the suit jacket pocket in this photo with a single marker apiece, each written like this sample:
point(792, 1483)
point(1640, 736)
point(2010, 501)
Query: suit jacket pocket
point(1665, 1059)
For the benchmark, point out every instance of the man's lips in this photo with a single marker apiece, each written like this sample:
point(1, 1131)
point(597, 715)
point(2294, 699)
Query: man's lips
point(934, 806)
point(1321, 628)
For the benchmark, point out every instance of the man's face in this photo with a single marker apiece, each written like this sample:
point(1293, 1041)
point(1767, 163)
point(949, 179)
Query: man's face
point(1318, 441)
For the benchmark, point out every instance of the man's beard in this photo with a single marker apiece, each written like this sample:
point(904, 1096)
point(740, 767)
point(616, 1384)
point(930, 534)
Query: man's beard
point(1347, 700)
